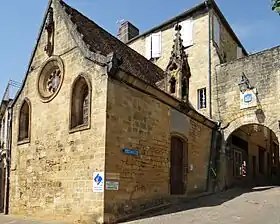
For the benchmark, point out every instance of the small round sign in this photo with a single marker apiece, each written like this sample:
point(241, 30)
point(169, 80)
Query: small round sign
point(248, 97)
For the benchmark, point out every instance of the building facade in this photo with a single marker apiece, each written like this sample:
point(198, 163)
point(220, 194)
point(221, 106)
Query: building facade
point(214, 52)
point(100, 131)
point(5, 143)
point(98, 135)
point(208, 40)
point(4, 147)
point(247, 104)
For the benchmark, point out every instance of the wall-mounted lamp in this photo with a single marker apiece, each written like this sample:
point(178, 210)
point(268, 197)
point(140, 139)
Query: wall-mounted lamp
point(244, 84)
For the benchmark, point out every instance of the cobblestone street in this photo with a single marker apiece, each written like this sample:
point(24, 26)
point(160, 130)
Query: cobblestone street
point(261, 205)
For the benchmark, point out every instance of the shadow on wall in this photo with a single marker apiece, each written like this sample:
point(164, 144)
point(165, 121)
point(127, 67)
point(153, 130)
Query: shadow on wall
point(204, 201)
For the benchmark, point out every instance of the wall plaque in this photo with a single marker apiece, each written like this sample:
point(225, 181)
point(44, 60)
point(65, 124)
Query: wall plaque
point(133, 152)
point(248, 99)
point(112, 185)
point(112, 176)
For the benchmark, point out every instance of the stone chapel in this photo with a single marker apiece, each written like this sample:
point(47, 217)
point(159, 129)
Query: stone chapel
point(98, 130)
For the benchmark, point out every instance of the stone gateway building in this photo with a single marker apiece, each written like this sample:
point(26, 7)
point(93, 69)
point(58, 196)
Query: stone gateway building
point(98, 130)
point(102, 128)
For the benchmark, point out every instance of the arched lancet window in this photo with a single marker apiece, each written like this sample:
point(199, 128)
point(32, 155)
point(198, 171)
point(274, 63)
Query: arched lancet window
point(185, 88)
point(172, 87)
point(24, 121)
point(80, 103)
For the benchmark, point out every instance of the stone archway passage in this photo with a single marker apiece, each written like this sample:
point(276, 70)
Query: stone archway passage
point(252, 156)
point(177, 167)
point(251, 118)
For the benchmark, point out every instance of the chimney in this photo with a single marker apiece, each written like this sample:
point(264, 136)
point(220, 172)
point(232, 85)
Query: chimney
point(127, 31)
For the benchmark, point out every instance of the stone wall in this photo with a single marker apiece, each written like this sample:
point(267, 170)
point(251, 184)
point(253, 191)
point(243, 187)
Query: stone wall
point(262, 70)
point(227, 51)
point(138, 121)
point(197, 54)
point(51, 176)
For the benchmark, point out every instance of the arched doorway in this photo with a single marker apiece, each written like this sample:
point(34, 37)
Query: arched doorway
point(177, 185)
point(252, 156)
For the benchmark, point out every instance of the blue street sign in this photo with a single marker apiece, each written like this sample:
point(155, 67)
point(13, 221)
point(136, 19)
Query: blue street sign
point(132, 152)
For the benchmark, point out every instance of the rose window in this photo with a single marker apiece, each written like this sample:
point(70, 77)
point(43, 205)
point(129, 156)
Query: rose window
point(50, 79)
point(54, 81)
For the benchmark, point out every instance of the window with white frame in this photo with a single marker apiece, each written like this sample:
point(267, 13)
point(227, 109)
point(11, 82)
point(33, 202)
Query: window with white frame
point(187, 32)
point(217, 31)
point(201, 95)
point(237, 165)
point(153, 45)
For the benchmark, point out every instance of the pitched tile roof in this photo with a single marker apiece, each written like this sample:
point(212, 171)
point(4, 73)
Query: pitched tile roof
point(103, 42)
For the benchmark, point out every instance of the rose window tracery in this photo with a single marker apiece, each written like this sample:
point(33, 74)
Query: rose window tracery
point(54, 81)
point(50, 79)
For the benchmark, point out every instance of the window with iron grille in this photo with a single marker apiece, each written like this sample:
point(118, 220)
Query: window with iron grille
point(201, 98)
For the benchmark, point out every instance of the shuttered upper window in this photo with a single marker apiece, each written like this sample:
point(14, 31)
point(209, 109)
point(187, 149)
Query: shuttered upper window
point(153, 45)
point(187, 32)
point(217, 31)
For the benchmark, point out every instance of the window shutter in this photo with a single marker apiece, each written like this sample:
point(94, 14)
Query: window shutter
point(217, 32)
point(239, 53)
point(156, 45)
point(187, 32)
point(148, 46)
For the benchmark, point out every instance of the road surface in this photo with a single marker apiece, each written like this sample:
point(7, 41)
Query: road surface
point(257, 206)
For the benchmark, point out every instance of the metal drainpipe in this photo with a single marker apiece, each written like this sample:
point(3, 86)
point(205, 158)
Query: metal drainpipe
point(209, 59)
point(211, 161)
point(8, 161)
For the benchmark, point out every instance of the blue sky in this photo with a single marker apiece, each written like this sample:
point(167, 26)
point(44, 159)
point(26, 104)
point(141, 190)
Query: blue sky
point(253, 21)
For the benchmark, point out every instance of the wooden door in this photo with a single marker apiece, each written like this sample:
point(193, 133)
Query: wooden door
point(177, 167)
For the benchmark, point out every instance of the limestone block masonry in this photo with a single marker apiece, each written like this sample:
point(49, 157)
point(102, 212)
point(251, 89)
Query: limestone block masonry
point(262, 70)
point(52, 172)
point(51, 176)
point(137, 121)
point(197, 53)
